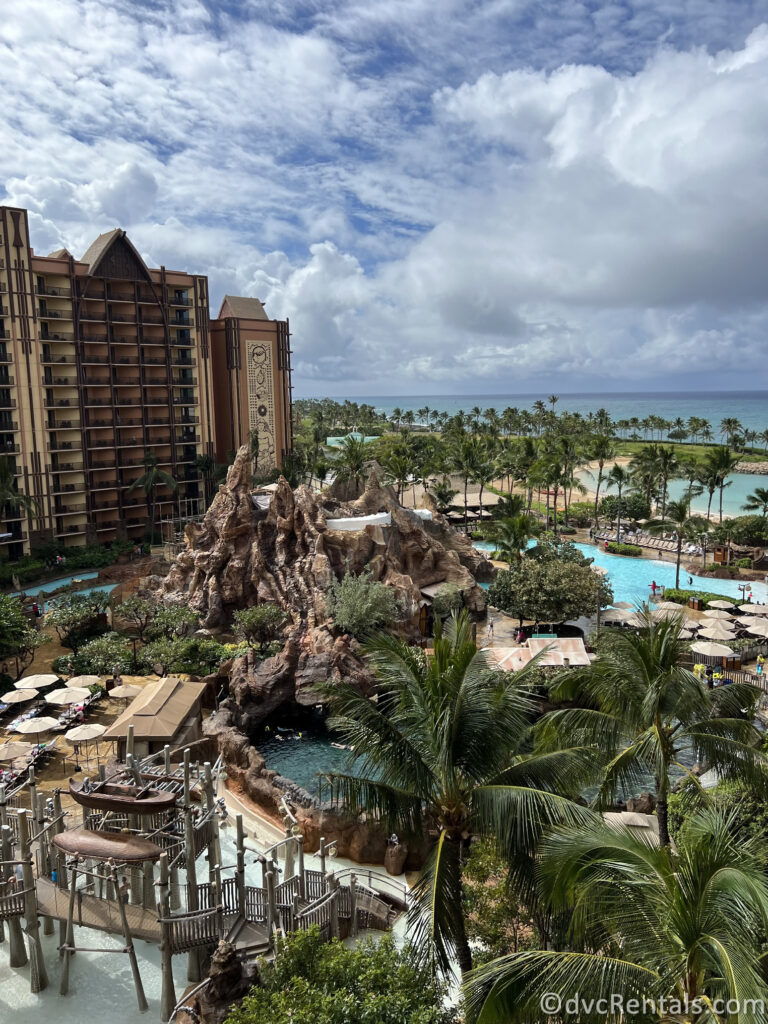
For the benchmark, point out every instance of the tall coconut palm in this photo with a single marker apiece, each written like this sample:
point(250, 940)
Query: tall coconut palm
point(641, 706)
point(721, 463)
point(461, 459)
point(352, 456)
point(602, 450)
point(619, 478)
point(646, 924)
point(11, 498)
point(150, 481)
point(442, 753)
point(757, 501)
point(668, 468)
point(729, 428)
point(686, 526)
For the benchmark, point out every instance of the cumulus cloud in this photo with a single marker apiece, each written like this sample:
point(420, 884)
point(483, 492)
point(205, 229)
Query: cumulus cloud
point(461, 197)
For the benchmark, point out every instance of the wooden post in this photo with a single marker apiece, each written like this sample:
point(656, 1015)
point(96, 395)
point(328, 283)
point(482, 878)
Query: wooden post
point(148, 892)
point(17, 949)
point(353, 904)
point(187, 787)
point(240, 871)
point(38, 977)
point(295, 914)
point(288, 862)
point(214, 850)
point(32, 791)
point(61, 863)
point(168, 994)
point(271, 906)
point(44, 866)
point(321, 855)
point(333, 885)
point(129, 744)
point(175, 896)
point(69, 942)
point(127, 938)
point(3, 807)
point(167, 759)
point(133, 768)
point(136, 884)
point(302, 876)
point(193, 959)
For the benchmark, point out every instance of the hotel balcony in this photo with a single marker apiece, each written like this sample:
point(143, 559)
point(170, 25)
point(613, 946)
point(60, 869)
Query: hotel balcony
point(54, 445)
point(5, 333)
point(54, 314)
point(126, 382)
point(120, 296)
point(68, 510)
point(108, 484)
point(111, 524)
point(70, 530)
point(123, 318)
point(15, 535)
point(50, 290)
point(7, 403)
point(96, 382)
point(7, 447)
point(69, 489)
point(153, 320)
point(66, 467)
point(56, 335)
point(50, 381)
point(49, 359)
point(6, 381)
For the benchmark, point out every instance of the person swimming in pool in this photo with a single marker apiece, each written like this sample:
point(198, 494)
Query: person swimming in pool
point(654, 587)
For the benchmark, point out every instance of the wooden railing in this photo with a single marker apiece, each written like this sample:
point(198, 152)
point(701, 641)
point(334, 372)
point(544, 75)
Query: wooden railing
point(193, 930)
point(11, 905)
point(255, 903)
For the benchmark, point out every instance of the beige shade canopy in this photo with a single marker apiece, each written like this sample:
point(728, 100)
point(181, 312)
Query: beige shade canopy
point(717, 633)
point(615, 615)
point(84, 681)
point(67, 696)
point(125, 692)
point(754, 609)
point(37, 682)
point(692, 624)
point(670, 606)
point(750, 620)
point(726, 605)
point(685, 634)
point(18, 696)
point(759, 629)
point(717, 613)
point(623, 604)
point(14, 748)
point(711, 650)
point(89, 731)
point(35, 725)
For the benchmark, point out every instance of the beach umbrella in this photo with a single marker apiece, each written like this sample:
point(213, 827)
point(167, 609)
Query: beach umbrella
point(692, 624)
point(685, 634)
point(726, 605)
point(710, 650)
point(36, 725)
point(669, 606)
point(14, 748)
point(717, 613)
point(85, 733)
point(84, 681)
point(67, 696)
point(38, 682)
point(615, 615)
point(623, 604)
point(754, 609)
point(749, 620)
point(18, 696)
point(716, 632)
point(124, 692)
point(759, 629)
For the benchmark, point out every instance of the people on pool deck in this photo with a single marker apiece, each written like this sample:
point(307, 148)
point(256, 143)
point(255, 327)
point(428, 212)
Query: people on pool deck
point(690, 581)
point(654, 587)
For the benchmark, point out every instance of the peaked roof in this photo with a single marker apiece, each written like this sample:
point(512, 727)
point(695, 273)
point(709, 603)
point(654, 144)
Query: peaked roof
point(159, 711)
point(98, 249)
point(242, 306)
point(58, 254)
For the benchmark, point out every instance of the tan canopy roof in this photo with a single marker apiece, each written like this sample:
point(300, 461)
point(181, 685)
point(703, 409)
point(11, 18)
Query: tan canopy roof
point(245, 307)
point(159, 711)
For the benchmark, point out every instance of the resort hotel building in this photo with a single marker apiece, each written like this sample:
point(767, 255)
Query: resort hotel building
point(107, 365)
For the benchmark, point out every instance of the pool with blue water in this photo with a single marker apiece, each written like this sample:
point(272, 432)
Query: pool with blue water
point(631, 578)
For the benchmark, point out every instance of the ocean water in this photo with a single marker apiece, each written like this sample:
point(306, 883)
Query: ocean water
point(749, 407)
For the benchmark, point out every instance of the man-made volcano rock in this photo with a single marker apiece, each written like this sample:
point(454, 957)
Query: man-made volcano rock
point(288, 553)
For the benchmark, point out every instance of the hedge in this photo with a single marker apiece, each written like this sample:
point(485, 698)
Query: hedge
point(632, 550)
point(682, 596)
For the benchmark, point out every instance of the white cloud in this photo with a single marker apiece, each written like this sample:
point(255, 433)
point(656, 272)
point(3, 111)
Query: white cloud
point(444, 197)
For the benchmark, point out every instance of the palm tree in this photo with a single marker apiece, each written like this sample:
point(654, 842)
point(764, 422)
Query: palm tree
point(461, 459)
point(253, 449)
point(206, 467)
point(602, 450)
point(721, 462)
point(618, 477)
point(686, 526)
point(352, 455)
point(443, 492)
point(11, 498)
point(757, 501)
point(668, 468)
point(443, 752)
point(150, 480)
point(647, 925)
point(511, 536)
point(643, 708)
point(729, 427)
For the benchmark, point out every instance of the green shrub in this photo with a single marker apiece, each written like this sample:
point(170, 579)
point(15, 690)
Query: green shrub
point(98, 657)
point(260, 625)
point(447, 600)
point(633, 506)
point(683, 596)
point(78, 617)
point(172, 621)
point(580, 513)
point(568, 530)
point(360, 605)
point(632, 550)
point(197, 656)
point(744, 563)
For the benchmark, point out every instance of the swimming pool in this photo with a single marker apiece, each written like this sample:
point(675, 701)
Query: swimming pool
point(631, 577)
point(42, 590)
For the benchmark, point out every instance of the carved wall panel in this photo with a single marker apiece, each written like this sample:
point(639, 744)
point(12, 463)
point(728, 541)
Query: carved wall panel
point(261, 402)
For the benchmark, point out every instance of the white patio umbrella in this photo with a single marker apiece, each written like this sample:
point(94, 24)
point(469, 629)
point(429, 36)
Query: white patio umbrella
point(750, 620)
point(717, 613)
point(754, 609)
point(726, 605)
point(38, 682)
point(34, 726)
point(124, 692)
point(84, 733)
point(669, 606)
point(758, 629)
point(685, 634)
point(84, 681)
point(18, 696)
point(716, 632)
point(692, 624)
point(710, 650)
point(67, 696)
point(623, 604)
point(615, 615)
point(14, 748)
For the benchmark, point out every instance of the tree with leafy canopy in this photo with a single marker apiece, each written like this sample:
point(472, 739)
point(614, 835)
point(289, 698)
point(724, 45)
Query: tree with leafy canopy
point(99, 657)
point(150, 481)
point(511, 536)
point(447, 601)
point(757, 501)
point(173, 621)
point(687, 527)
point(548, 591)
point(259, 626)
point(138, 612)
point(444, 751)
point(683, 927)
point(442, 493)
point(351, 459)
point(358, 604)
point(77, 617)
point(311, 981)
point(642, 709)
point(195, 655)
point(18, 638)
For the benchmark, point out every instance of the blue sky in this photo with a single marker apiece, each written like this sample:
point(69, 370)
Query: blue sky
point(447, 197)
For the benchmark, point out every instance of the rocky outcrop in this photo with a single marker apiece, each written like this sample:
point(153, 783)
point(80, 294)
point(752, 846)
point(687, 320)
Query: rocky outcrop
point(242, 555)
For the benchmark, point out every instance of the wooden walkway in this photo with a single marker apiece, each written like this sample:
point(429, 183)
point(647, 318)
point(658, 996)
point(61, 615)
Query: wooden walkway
point(92, 912)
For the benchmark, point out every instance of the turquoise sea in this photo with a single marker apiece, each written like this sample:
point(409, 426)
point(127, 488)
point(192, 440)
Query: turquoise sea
point(749, 407)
